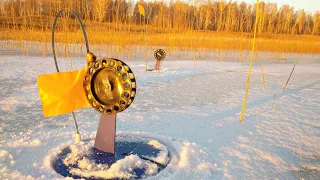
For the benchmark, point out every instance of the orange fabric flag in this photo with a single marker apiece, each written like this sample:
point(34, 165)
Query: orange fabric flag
point(141, 10)
point(62, 92)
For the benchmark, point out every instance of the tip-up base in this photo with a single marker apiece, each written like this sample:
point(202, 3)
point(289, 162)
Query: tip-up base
point(134, 158)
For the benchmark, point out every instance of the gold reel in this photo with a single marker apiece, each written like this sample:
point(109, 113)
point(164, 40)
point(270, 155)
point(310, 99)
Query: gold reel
point(109, 85)
point(159, 54)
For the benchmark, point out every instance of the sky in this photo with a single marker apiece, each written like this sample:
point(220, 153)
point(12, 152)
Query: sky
point(308, 5)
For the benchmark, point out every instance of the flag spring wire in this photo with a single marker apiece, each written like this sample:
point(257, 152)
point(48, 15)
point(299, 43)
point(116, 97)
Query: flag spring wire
point(54, 52)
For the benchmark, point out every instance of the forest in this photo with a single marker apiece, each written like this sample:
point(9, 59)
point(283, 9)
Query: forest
point(25, 26)
point(225, 16)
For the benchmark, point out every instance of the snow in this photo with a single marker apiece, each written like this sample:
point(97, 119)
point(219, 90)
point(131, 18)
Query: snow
point(192, 108)
point(162, 156)
point(121, 169)
point(6, 158)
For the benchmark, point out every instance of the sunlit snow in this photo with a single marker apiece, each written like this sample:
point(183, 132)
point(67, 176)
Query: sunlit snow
point(192, 108)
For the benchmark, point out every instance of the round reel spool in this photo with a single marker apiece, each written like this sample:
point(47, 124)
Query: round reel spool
point(160, 54)
point(109, 85)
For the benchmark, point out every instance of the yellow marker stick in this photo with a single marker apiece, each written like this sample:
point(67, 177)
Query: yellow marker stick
point(274, 103)
point(250, 68)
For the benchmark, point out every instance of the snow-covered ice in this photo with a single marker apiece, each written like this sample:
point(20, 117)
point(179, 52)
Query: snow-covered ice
point(192, 108)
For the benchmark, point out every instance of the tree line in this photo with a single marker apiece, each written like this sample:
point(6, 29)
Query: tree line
point(225, 16)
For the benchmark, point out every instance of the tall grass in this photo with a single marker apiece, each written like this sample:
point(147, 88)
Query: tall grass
point(188, 40)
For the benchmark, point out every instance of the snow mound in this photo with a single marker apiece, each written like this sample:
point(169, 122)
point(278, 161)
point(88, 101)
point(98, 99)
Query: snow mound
point(121, 169)
point(6, 158)
point(162, 156)
point(183, 159)
point(89, 168)
point(188, 160)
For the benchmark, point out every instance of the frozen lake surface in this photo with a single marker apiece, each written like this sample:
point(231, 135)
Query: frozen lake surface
point(192, 108)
